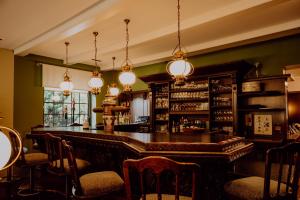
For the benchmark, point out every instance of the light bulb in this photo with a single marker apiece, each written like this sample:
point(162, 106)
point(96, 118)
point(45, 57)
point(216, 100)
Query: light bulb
point(5, 149)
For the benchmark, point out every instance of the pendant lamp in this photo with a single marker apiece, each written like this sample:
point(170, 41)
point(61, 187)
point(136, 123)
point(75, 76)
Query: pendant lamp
point(113, 89)
point(66, 86)
point(96, 82)
point(127, 77)
point(179, 68)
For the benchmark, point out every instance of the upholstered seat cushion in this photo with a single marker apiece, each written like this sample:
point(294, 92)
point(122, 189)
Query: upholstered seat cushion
point(36, 158)
point(251, 188)
point(81, 164)
point(166, 197)
point(101, 183)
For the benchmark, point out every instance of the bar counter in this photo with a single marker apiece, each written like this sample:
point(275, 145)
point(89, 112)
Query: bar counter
point(207, 145)
point(215, 153)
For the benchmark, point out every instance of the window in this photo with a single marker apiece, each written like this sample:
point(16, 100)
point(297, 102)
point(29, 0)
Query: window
point(139, 106)
point(64, 111)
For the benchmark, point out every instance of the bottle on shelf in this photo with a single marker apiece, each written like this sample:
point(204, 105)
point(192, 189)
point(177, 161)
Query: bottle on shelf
point(173, 127)
point(181, 125)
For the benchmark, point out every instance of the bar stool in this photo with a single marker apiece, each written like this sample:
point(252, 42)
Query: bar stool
point(105, 184)
point(31, 161)
point(58, 164)
point(283, 160)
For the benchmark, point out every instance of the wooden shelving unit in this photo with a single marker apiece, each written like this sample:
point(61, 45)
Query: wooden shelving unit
point(195, 102)
point(263, 114)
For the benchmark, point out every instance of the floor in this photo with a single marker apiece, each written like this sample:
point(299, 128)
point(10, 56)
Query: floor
point(51, 187)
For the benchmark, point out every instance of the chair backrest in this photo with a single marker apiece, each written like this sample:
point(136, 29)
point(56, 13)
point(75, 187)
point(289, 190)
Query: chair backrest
point(15, 146)
point(288, 160)
point(157, 165)
point(69, 151)
point(55, 153)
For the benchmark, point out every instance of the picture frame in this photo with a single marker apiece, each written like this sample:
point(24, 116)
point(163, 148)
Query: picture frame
point(263, 124)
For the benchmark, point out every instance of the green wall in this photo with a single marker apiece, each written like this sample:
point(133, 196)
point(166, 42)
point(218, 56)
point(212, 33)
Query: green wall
point(28, 93)
point(273, 55)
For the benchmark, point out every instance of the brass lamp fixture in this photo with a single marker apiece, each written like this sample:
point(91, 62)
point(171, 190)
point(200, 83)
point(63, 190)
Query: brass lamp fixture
point(66, 86)
point(127, 77)
point(113, 89)
point(7, 156)
point(179, 68)
point(96, 82)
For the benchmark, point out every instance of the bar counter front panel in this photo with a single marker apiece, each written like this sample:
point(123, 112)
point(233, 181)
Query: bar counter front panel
point(214, 152)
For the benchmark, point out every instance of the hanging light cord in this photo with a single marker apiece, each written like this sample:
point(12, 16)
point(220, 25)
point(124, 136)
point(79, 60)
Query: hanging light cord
point(113, 76)
point(127, 39)
point(96, 50)
point(178, 21)
point(67, 52)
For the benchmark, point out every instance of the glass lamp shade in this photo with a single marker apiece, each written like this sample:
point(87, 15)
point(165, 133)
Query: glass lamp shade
point(5, 149)
point(114, 91)
point(66, 86)
point(96, 82)
point(179, 67)
point(127, 78)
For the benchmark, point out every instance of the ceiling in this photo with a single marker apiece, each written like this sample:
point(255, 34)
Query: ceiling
point(42, 27)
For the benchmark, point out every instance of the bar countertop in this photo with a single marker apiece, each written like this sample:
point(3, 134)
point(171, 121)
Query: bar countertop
point(202, 144)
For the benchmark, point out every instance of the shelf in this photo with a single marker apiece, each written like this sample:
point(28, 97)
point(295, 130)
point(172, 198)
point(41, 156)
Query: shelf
point(161, 120)
point(161, 95)
point(221, 107)
point(189, 90)
point(161, 108)
point(261, 94)
point(222, 92)
point(189, 99)
point(200, 112)
point(260, 109)
point(216, 121)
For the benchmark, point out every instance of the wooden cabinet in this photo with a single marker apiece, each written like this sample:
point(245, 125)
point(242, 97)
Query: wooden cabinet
point(223, 95)
point(262, 113)
point(203, 103)
point(160, 107)
point(189, 106)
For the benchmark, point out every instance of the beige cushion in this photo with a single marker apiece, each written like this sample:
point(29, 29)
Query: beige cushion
point(100, 183)
point(36, 158)
point(251, 188)
point(81, 164)
point(166, 197)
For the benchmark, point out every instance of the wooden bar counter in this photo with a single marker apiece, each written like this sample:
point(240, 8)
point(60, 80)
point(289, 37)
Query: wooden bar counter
point(215, 153)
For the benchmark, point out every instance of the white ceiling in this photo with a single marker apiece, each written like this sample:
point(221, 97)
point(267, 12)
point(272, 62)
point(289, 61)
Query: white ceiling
point(42, 26)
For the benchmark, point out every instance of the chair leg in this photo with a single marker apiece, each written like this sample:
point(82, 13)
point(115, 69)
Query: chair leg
point(31, 179)
point(67, 188)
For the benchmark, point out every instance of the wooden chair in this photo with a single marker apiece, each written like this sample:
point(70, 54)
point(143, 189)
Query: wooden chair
point(157, 165)
point(286, 161)
point(58, 164)
point(105, 184)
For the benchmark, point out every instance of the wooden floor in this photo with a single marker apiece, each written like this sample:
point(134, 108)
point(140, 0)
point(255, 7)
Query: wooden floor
point(50, 187)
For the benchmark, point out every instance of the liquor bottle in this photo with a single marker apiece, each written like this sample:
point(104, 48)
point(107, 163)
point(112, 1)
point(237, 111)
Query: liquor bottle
point(181, 125)
point(173, 127)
